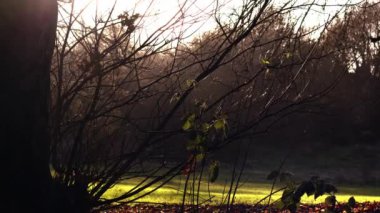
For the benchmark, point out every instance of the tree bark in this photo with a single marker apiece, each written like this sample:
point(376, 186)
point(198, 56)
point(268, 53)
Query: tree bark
point(27, 36)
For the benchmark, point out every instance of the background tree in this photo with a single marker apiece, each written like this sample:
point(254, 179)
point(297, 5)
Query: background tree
point(129, 108)
point(343, 122)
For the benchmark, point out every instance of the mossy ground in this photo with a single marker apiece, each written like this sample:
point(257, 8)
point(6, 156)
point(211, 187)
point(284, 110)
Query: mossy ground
point(248, 193)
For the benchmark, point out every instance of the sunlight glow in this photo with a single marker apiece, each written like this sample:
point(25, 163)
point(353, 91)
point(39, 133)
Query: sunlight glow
point(192, 17)
point(248, 194)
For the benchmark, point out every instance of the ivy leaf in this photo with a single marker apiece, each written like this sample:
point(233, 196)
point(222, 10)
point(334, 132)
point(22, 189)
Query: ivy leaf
point(305, 187)
point(287, 197)
point(319, 189)
point(279, 204)
point(331, 189)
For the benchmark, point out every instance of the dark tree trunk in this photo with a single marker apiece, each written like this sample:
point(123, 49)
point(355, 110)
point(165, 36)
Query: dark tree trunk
point(27, 35)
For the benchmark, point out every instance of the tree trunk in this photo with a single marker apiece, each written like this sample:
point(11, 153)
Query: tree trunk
point(27, 36)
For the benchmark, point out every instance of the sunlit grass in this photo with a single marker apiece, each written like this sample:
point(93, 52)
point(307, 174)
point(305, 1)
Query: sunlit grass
point(248, 193)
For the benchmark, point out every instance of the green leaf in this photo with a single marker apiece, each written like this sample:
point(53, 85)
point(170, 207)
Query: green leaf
point(203, 106)
point(187, 125)
point(190, 83)
point(265, 61)
point(189, 122)
point(205, 127)
point(175, 97)
point(196, 144)
point(220, 124)
point(199, 157)
point(288, 55)
point(213, 171)
point(199, 139)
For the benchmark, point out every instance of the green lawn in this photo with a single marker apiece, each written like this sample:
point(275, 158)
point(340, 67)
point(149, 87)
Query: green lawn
point(248, 193)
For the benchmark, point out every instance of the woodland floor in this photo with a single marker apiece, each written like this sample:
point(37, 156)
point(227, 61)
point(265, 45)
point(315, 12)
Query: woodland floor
point(360, 207)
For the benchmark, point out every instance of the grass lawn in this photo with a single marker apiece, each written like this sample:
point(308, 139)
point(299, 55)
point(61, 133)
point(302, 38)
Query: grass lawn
point(248, 193)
